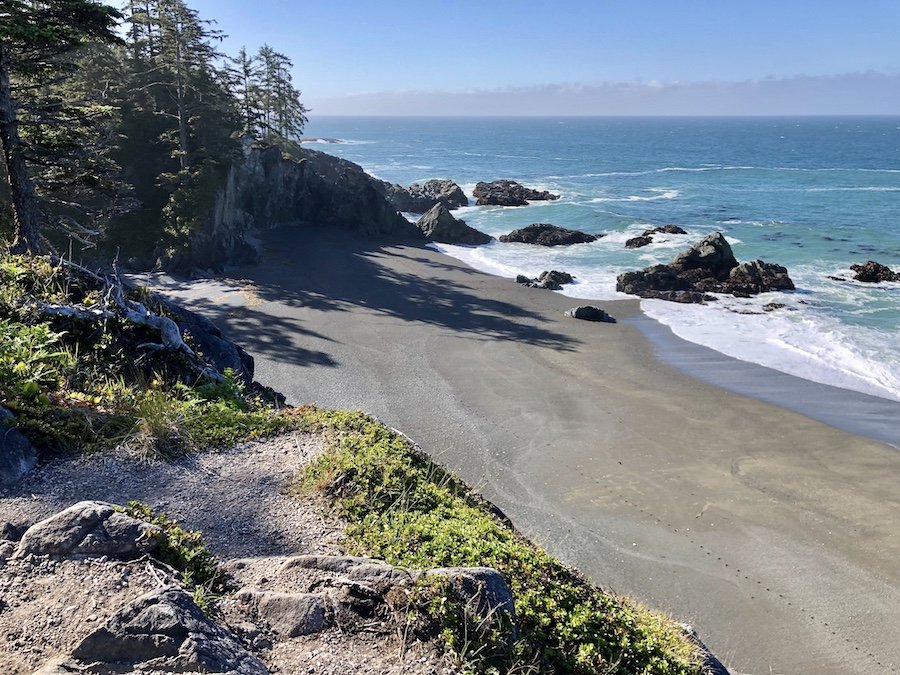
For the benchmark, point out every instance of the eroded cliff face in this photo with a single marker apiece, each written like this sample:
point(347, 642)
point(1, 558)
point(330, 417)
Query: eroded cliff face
point(269, 188)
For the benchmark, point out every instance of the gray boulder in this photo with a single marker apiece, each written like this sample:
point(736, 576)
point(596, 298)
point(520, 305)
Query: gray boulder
point(440, 225)
point(164, 630)
point(552, 280)
point(288, 615)
point(590, 313)
point(508, 193)
point(712, 254)
point(90, 529)
point(17, 454)
point(544, 234)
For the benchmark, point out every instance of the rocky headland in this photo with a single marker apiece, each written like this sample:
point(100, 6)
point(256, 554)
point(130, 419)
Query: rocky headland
point(707, 267)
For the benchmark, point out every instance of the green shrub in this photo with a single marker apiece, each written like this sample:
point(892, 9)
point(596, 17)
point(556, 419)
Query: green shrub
point(183, 550)
point(405, 509)
point(32, 362)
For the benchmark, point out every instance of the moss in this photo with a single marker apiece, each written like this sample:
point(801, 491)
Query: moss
point(405, 509)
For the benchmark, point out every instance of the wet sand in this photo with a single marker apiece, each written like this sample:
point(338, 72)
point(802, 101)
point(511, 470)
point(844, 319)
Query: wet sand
point(775, 535)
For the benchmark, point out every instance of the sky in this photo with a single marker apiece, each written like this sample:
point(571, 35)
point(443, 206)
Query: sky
point(579, 56)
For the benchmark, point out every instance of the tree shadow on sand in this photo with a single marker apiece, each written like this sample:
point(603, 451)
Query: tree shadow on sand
point(303, 276)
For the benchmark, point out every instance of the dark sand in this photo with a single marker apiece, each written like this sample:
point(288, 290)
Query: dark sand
point(776, 536)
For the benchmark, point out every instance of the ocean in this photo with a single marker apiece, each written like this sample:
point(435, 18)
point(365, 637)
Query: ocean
point(813, 194)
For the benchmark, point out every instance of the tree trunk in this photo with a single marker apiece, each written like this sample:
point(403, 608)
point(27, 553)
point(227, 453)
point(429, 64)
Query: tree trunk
point(180, 95)
point(25, 205)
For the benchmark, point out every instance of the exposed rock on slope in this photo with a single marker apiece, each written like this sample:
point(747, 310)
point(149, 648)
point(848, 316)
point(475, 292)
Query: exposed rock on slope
point(508, 193)
point(421, 198)
point(707, 267)
point(440, 225)
point(268, 188)
point(543, 234)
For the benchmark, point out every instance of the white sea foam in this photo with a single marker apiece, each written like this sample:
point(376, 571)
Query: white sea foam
point(797, 340)
point(659, 193)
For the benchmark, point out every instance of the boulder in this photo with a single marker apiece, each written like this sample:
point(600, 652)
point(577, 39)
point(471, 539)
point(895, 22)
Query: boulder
point(164, 630)
point(712, 254)
point(544, 234)
point(706, 267)
point(90, 529)
point(638, 242)
point(552, 280)
point(288, 615)
point(508, 193)
point(17, 455)
point(873, 272)
point(421, 198)
point(590, 313)
point(440, 225)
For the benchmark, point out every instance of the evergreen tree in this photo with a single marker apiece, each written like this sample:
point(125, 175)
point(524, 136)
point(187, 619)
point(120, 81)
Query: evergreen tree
point(283, 116)
point(37, 37)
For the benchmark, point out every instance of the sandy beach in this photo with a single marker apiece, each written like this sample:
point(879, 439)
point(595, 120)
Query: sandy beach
point(776, 536)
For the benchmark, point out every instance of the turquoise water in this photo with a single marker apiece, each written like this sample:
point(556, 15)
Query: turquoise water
point(813, 194)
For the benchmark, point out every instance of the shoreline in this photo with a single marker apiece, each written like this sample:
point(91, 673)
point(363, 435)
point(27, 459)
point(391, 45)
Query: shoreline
point(765, 529)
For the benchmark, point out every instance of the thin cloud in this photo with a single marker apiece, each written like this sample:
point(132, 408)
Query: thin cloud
point(869, 93)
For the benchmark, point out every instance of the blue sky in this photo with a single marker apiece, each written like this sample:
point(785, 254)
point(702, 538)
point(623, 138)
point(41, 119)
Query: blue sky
point(347, 51)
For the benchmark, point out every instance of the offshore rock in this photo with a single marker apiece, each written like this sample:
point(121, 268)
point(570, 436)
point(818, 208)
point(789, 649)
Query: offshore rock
point(665, 229)
point(544, 234)
point(440, 225)
point(873, 272)
point(508, 193)
point(421, 198)
point(638, 242)
point(706, 267)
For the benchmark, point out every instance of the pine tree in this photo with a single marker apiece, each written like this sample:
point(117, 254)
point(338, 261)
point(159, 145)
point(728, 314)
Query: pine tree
point(37, 39)
point(283, 116)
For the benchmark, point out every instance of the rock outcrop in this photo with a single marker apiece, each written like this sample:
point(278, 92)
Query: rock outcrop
point(268, 188)
point(552, 280)
point(873, 272)
point(90, 529)
point(508, 193)
point(706, 267)
point(544, 234)
point(164, 630)
point(590, 313)
point(421, 198)
point(17, 455)
point(440, 225)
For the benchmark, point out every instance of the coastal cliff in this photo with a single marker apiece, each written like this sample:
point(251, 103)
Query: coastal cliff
point(269, 187)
